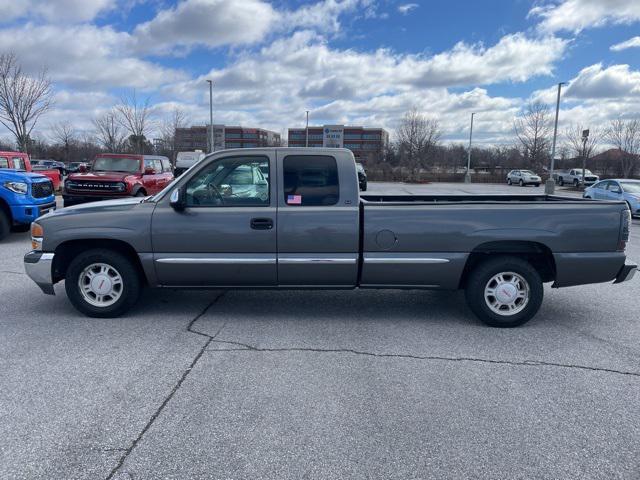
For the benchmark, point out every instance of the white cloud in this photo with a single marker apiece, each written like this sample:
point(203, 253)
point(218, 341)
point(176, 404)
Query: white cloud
point(576, 15)
point(206, 22)
point(55, 10)
point(616, 81)
point(325, 15)
point(633, 42)
point(407, 7)
point(84, 56)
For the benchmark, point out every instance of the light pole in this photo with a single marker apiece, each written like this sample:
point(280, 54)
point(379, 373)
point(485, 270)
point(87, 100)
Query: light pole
point(585, 139)
point(211, 137)
point(306, 136)
point(550, 185)
point(467, 176)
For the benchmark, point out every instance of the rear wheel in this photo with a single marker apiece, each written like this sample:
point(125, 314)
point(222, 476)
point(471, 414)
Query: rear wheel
point(521, 183)
point(102, 283)
point(561, 182)
point(504, 292)
point(509, 181)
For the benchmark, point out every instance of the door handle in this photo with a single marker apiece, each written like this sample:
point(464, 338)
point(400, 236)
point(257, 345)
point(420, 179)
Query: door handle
point(261, 223)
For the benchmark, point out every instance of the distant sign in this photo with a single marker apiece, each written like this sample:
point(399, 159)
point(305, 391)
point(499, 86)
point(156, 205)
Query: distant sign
point(585, 133)
point(333, 136)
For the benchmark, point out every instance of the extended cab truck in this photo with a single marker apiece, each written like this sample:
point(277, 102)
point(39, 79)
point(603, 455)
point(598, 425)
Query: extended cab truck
point(23, 198)
point(307, 227)
point(21, 161)
point(113, 175)
point(574, 177)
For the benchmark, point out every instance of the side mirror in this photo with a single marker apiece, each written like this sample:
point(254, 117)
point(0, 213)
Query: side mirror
point(177, 199)
point(82, 168)
point(149, 171)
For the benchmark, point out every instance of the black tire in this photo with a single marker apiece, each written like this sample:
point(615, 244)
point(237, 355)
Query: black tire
point(21, 227)
point(521, 183)
point(363, 187)
point(5, 224)
point(576, 183)
point(479, 279)
point(130, 289)
point(561, 182)
point(537, 185)
point(509, 182)
point(140, 193)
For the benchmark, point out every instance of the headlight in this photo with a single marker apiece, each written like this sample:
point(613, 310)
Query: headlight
point(37, 234)
point(17, 187)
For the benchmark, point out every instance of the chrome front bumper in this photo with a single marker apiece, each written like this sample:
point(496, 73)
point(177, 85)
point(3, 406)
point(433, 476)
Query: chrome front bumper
point(626, 273)
point(39, 267)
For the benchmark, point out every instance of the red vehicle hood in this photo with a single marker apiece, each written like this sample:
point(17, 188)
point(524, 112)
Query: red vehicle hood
point(101, 176)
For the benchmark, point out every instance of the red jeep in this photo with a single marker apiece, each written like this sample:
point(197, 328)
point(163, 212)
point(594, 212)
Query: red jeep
point(115, 175)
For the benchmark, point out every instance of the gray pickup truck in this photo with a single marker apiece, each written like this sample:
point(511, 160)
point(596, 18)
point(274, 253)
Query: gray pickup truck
point(303, 224)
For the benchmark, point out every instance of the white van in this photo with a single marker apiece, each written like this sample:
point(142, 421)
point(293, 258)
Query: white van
point(185, 160)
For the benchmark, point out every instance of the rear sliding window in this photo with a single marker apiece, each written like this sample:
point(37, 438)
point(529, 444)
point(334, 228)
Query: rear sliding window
point(310, 181)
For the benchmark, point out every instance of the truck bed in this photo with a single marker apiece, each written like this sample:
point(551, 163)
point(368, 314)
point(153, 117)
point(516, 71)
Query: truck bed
point(431, 199)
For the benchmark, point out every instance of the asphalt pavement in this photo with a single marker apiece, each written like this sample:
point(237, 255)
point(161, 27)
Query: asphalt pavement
point(355, 384)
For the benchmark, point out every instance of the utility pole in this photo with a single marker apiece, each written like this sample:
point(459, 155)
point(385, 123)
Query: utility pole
point(550, 185)
point(211, 137)
point(467, 176)
point(306, 143)
point(585, 138)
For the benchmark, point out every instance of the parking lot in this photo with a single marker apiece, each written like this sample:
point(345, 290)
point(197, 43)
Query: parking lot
point(319, 384)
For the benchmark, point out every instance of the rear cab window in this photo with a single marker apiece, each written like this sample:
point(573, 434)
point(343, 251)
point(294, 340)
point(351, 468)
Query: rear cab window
point(4, 162)
point(310, 180)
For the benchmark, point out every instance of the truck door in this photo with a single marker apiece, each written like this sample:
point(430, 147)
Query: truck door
point(318, 221)
point(224, 236)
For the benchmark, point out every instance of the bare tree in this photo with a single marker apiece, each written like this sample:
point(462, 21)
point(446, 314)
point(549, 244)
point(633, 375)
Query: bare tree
point(176, 119)
point(23, 99)
point(109, 133)
point(417, 136)
point(533, 130)
point(134, 116)
point(64, 134)
point(625, 136)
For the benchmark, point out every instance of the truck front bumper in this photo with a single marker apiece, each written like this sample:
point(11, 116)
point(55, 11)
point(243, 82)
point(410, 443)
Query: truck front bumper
point(25, 214)
point(39, 267)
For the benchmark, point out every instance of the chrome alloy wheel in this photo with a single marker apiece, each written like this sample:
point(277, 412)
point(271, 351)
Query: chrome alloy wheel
point(506, 293)
point(100, 285)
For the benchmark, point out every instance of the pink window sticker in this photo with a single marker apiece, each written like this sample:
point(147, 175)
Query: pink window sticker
point(294, 199)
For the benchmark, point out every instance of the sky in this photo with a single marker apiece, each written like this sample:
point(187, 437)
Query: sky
point(355, 62)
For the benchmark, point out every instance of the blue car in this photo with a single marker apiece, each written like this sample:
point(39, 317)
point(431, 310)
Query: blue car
point(617, 189)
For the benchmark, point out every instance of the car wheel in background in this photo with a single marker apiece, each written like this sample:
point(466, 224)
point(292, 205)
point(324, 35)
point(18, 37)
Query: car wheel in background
point(508, 181)
point(140, 193)
point(504, 291)
point(576, 183)
point(102, 283)
point(561, 182)
point(521, 183)
point(5, 224)
point(537, 184)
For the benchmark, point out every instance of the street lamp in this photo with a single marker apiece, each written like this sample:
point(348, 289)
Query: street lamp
point(306, 136)
point(467, 176)
point(550, 185)
point(211, 145)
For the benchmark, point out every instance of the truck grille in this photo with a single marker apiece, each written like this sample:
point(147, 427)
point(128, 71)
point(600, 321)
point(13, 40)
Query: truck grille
point(94, 186)
point(41, 189)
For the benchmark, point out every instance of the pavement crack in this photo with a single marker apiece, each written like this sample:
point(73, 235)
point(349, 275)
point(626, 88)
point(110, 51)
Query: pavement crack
point(175, 388)
point(521, 363)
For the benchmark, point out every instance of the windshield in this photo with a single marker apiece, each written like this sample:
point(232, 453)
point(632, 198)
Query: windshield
point(586, 172)
point(631, 187)
point(116, 164)
point(527, 172)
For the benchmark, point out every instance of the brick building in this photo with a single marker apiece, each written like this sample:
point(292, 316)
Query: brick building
point(197, 138)
point(365, 143)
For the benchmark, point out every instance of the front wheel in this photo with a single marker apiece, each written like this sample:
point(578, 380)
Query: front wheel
point(102, 283)
point(508, 181)
point(561, 182)
point(576, 183)
point(504, 292)
point(521, 183)
point(5, 224)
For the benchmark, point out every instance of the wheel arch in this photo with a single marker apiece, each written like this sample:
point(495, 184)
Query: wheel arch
point(537, 254)
point(66, 251)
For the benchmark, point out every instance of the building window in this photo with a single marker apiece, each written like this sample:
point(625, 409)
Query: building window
point(370, 136)
point(352, 136)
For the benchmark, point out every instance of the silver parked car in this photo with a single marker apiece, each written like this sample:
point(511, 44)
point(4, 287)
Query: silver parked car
point(617, 189)
point(523, 178)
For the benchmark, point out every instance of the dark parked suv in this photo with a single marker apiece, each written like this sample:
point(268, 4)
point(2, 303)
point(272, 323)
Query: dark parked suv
point(112, 175)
